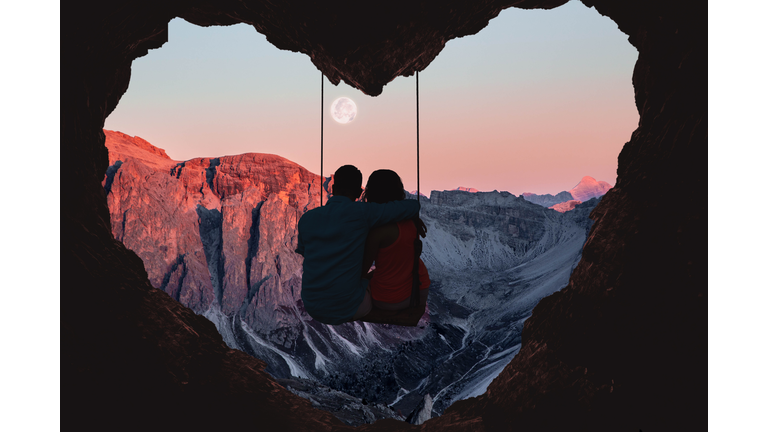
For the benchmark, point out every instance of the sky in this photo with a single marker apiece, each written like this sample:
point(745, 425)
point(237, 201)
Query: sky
point(532, 103)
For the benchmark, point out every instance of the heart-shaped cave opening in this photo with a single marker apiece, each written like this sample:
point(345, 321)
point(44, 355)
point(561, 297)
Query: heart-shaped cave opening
point(537, 105)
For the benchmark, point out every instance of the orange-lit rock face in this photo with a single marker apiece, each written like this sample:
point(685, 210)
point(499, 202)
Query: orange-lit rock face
point(566, 206)
point(122, 146)
point(235, 213)
point(589, 188)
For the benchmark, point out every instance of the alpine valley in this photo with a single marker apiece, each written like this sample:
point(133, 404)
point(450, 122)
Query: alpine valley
point(218, 235)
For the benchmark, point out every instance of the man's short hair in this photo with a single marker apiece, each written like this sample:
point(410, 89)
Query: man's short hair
point(348, 180)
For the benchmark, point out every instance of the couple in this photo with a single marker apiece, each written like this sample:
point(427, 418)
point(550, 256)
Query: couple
point(341, 240)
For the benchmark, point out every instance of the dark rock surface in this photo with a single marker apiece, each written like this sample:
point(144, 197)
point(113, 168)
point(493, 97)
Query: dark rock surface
point(519, 224)
point(623, 347)
point(349, 409)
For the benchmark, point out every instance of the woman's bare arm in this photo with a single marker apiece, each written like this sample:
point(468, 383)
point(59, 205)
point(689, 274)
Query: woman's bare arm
point(379, 237)
point(371, 249)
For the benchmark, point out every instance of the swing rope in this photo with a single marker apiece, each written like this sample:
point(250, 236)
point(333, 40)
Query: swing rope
point(322, 180)
point(418, 164)
point(417, 245)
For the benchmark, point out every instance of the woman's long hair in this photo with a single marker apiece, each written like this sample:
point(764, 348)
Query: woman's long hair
point(384, 186)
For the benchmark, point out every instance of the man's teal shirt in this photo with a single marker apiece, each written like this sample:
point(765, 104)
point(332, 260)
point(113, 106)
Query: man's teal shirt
point(332, 240)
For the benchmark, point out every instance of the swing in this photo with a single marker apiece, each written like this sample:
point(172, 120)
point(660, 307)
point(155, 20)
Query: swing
point(410, 316)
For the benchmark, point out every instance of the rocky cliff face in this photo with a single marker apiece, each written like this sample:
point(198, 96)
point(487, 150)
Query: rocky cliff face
point(604, 353)
point(212, 232)
point(218, 234)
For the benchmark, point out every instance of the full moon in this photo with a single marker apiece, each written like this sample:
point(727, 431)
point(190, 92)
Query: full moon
point(343, 110)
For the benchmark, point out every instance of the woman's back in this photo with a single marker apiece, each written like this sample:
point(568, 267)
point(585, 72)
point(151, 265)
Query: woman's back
point(393, 278)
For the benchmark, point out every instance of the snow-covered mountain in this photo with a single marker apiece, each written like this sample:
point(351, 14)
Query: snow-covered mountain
point(218, 235)
point(586, 189)
point(589, 188)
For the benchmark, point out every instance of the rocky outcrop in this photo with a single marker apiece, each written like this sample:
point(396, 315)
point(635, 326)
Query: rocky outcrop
point(214, 232)
point(548, 200)
point(521, 221)
point(423, 411)
point(589, 188)
point(566, 206)
point(604, 353)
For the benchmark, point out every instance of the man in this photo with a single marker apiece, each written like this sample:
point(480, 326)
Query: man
point(332, 240)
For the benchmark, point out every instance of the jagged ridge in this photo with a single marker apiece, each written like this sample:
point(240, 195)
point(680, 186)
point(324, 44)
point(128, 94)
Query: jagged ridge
point(252, 288)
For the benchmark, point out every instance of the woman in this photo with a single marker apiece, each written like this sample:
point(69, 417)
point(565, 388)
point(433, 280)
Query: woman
point(391, 247)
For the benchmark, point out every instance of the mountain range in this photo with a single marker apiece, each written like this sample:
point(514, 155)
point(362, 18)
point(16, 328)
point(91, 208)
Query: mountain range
point(587, 189)
point(218, 235)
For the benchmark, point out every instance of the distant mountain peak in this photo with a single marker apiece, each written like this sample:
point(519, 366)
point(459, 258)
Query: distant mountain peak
point(587, 180)
point(413, 192)
point(589, 188)
point(466, 189)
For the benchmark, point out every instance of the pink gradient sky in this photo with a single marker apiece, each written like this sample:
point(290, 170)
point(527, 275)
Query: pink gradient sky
point(534, 102)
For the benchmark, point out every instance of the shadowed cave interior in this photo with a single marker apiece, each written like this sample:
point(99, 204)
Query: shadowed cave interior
point(623, 346)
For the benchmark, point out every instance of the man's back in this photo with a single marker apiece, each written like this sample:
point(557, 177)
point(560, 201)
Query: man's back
point(332, 239)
